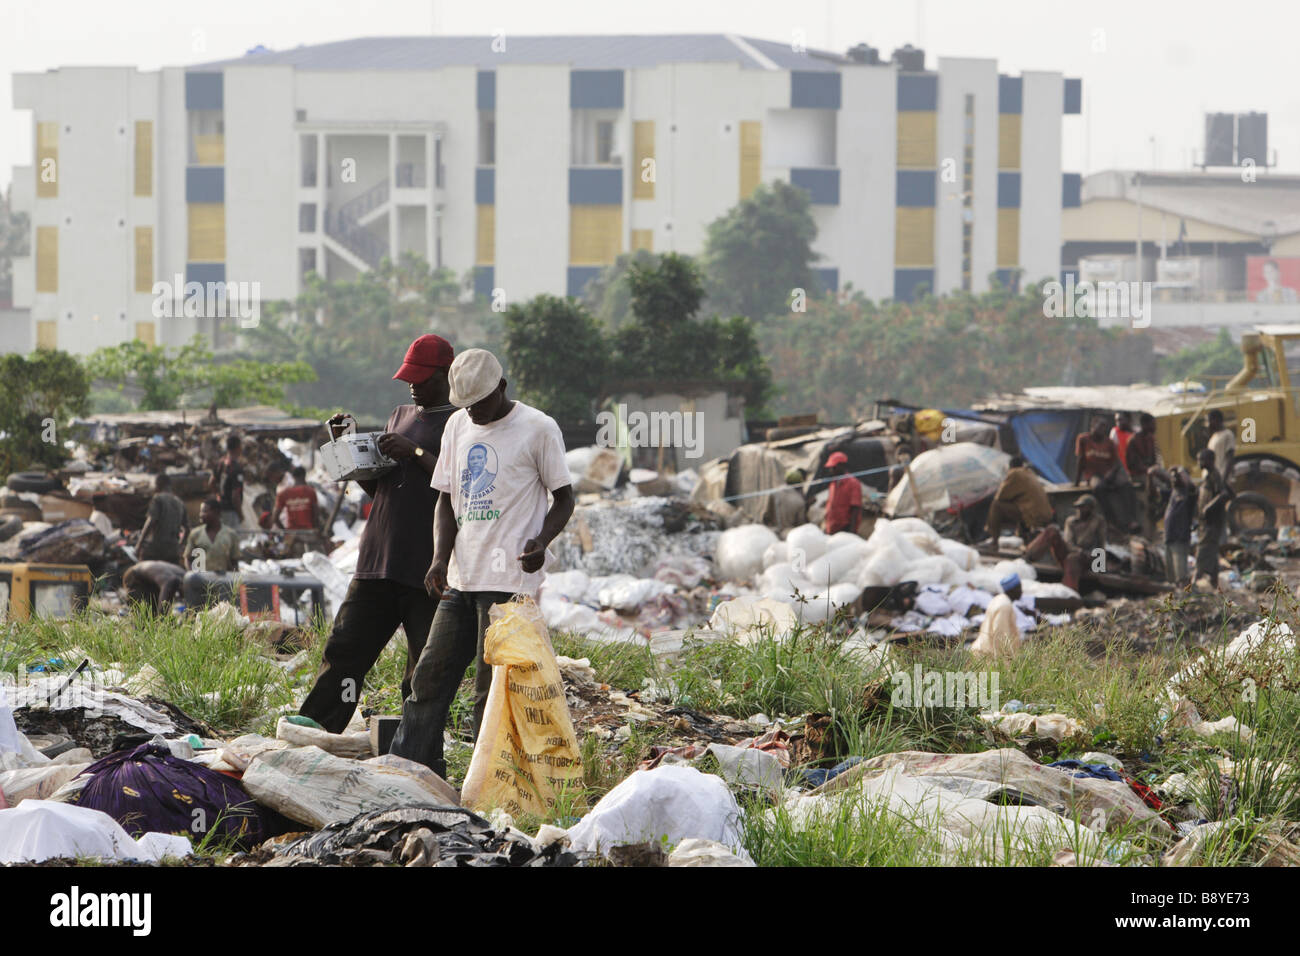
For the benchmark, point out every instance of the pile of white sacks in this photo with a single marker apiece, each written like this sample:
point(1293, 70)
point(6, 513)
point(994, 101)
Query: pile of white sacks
point(806, 577)
point(831, 571)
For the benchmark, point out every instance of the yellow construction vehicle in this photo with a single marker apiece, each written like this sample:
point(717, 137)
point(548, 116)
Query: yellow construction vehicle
point(1261, 404)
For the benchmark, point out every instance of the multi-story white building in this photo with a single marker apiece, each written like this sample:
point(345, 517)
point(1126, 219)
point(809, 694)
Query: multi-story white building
point(533, 161)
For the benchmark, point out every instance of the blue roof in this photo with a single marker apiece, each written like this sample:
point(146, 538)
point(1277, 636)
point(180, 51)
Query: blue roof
point(580, 52)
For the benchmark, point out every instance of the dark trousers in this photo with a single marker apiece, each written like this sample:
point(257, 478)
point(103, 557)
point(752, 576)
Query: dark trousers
point(456, 639)
point(366, 621)
point(1118, 500)
point(1207, 550)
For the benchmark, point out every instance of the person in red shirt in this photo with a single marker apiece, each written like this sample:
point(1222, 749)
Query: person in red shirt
point(296, 506)
point(844, 504)
point(1096, 455)
point(1122, 433)
point(1098, 465)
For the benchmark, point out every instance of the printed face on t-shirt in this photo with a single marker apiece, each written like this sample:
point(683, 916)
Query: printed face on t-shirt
point(478, 477)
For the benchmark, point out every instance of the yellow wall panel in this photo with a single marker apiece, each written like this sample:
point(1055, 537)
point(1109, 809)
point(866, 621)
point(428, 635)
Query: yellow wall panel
point(751, 156)
point(144, 157)
point(47, 258)
point(643, 239)
point(914, 236)
point(210, 150)
point(1008, 238)
point(207, 239)
point(47, 148)
point(595, 234)
point(917, 138)
point(486, 236)
point(47, 334)
point(1009, 141)
point(144, 258)
point(147, 332)
point(643, 148)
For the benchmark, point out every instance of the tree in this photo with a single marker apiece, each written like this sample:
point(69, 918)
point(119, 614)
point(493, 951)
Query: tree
point(41, 393)
point(608, 296)
point(355, 332)
point(760, 251)
point(1219, 357)
point(558, 356)
point(193, 372)
point(666, 342)
point(839, 357)
point(13, 243)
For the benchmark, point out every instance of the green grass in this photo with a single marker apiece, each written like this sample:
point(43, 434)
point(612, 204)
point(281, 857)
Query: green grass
point(1120, 695)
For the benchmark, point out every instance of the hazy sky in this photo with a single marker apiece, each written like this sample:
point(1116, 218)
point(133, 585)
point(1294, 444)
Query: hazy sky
point(1150, 68)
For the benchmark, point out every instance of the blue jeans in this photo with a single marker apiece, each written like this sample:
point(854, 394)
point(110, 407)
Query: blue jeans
point(455, 639)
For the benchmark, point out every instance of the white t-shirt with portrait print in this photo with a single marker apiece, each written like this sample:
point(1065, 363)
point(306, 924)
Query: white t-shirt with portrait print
point(498, 477)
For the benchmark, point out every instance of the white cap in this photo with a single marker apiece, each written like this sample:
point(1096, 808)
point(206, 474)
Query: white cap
point(473, 375)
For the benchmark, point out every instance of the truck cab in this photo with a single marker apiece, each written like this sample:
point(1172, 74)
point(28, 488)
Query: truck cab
point(1261, 404)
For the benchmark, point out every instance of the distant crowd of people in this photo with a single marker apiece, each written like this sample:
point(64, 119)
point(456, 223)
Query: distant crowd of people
point(1113, 461)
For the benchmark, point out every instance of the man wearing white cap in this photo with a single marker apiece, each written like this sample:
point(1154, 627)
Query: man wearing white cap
point(500, 461)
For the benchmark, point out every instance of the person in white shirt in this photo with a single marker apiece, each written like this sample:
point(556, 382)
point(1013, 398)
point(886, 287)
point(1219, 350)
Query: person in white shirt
point(1000, 634)
point(1222, 442)
point(499, 463)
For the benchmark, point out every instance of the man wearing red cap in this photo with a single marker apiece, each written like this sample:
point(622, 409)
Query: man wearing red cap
point(505, 495)
point(844, 504)
point(396, 546)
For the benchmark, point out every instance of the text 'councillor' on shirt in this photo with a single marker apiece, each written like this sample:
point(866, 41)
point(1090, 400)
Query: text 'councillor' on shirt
point(497, 476)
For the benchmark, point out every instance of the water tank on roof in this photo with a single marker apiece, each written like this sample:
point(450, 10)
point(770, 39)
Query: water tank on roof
point(861, 53)
point(1252, 138)
point(1218, 139)
point(910, 59)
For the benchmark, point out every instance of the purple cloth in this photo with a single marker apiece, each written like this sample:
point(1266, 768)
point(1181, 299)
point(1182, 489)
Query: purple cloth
point(148, 789)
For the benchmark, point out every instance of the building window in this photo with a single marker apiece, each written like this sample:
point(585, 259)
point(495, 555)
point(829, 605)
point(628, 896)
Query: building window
point(596, 138)
point(306, 262)
point(144, 157)
point(307, 217)
point(47, 160)
point(310, 160)
point(487, 138)
point(207, 145)
point(604, 141)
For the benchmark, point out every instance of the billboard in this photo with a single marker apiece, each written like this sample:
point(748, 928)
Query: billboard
point(1273, 279)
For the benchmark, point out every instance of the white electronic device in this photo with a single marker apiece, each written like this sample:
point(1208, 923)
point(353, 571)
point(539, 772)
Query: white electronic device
point(353, 456)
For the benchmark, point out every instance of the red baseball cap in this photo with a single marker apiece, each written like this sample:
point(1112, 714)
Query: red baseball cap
point(426, 353)
point(837, 458)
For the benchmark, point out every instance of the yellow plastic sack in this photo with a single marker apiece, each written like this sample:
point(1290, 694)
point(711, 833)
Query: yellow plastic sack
point(527, 751)
point(929, 422)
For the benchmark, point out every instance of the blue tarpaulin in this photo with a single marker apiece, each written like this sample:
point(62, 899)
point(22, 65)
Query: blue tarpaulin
point(1046, 440)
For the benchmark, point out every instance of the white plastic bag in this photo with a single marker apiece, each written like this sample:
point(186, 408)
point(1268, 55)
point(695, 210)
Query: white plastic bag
point(964, 556)
point(44, 830)
point(669, 803)
point(748, 617)
point(570, 585)
point(838, 564)
point(739, 552)
point(807, 540)
point(778, 552)
point(936, 569)
point(783, 578)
